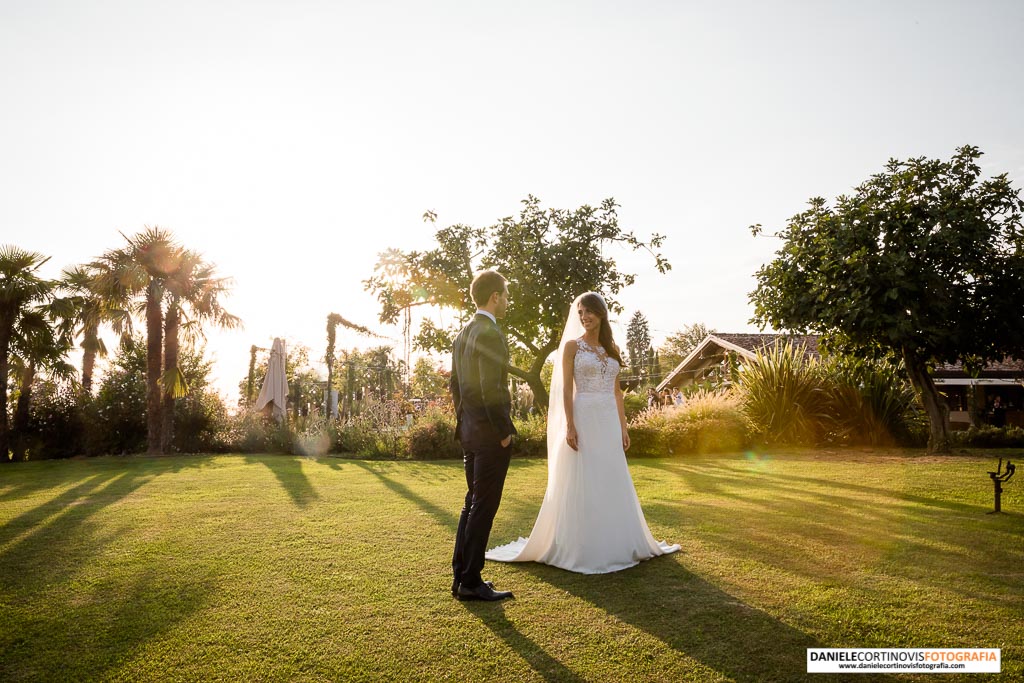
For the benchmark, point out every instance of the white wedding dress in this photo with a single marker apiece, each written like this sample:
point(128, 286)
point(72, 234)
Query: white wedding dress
point(590, 521)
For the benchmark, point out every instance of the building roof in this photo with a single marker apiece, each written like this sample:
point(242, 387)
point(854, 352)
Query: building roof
point(712, 350)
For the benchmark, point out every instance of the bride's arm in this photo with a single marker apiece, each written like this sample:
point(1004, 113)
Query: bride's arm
point(621, 403)
point(568, 367)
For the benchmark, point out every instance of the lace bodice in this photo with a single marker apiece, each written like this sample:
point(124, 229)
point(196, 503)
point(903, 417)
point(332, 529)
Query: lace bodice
point(593, 370)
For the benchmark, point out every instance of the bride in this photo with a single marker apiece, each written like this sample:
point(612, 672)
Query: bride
point(590, 521)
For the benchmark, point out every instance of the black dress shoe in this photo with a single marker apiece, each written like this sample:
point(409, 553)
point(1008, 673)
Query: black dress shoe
point(484, 591)
point(455, 587)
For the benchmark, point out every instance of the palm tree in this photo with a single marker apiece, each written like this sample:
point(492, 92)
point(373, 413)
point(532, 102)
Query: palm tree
point(21, 290)
point(89, 309)
point(42, 341)
point(139, 272)
point(193, 294)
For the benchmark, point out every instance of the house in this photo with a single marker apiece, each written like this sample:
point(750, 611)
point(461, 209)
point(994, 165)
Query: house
point(709, 360)
point(995, 396)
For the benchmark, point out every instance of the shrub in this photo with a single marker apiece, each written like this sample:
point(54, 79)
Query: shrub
point(709, 422)
point(379, 431)
point(988, 436)
point(782, 396)
point(432, 436)
point(869, 402)
point(634, 404)
point(57, 421)
point(532, 437)
point(200, 423)
point(253, 432)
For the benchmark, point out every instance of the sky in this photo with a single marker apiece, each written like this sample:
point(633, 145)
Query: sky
point(292, 142)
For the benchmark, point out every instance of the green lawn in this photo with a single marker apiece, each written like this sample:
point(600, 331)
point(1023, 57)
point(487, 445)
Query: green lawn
point(286, 568)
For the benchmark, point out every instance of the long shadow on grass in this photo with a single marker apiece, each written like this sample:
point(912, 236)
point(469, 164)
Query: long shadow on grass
point(445, 517)
point(101, 631)
point(696, 618)
point(546, 666)
point(58, 539)
point(288, 471)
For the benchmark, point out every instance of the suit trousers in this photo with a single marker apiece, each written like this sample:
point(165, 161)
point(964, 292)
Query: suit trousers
point(486, 468)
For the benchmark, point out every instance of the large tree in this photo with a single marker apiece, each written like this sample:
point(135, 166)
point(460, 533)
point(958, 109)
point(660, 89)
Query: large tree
point(22, 294)
point(924, 262)
point(548, 255)
point(193, 297)
point(44, 337)
point(138, 273)
point(89, 309)
point(638, 344)
point(680, 343)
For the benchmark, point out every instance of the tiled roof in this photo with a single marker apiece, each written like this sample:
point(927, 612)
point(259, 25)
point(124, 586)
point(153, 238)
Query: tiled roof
point(756, 342)
point(1007, 366)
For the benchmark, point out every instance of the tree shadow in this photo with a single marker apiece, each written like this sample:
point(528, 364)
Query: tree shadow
point(547, 667)
point(289, 474)
point(102, 632)
point(696, 619)
point(444, 517)
point(35, 547)
point(47, 528)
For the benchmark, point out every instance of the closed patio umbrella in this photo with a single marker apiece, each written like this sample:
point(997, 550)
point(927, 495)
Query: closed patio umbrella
point(275, 384)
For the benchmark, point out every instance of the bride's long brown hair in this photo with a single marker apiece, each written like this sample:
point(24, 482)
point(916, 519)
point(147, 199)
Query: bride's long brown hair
point(595, 304)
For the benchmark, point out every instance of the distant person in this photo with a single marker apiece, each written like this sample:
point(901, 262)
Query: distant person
point(998, 412)
point(677, 397)
point(652, 397)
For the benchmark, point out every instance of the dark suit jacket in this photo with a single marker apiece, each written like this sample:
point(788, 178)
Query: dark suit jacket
point(479, 384)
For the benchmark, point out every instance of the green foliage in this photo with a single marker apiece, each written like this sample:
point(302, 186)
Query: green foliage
point(708, 422)
point(250, 431)
point(869, 401)
point(783, 397)
point(679, 344)
point(24, 322)
point(634, 403)
point(988, 436)
point(548, 255)
point(638, 345)
point(429, 379)
point(378, 431)
point(532, 436)
point(117, 416)
point(58, 421)
point(432, 436)
point(917, 262)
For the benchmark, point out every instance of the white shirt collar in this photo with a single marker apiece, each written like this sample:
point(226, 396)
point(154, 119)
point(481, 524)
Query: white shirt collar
point(488, 314)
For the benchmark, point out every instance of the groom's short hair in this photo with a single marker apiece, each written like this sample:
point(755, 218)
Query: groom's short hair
point(485, 283)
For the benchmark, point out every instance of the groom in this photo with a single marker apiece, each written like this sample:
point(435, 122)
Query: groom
point(483, 407)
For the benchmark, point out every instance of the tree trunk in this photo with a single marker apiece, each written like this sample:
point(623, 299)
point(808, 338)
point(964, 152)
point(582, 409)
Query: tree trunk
point(5, 347)
point(532, 376)
point(171, 324)
point(154, 358)
point(19, 425)
point(350, 385)
point(938, 411)
point(330, 382)
point(249, 398)
point(89, 345)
